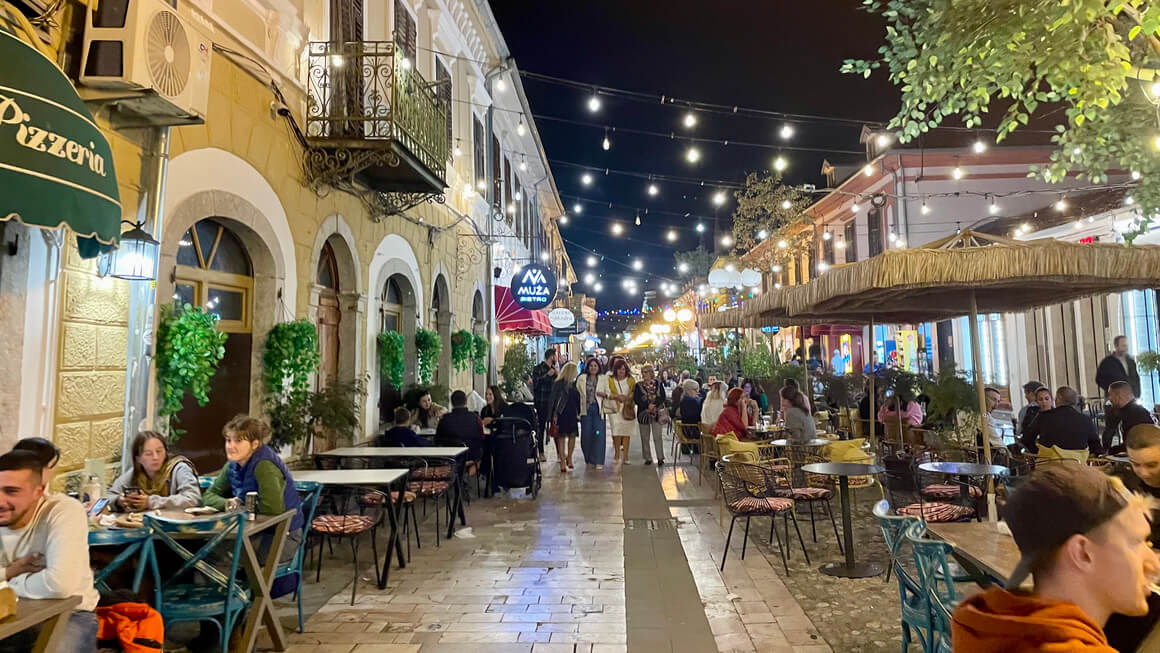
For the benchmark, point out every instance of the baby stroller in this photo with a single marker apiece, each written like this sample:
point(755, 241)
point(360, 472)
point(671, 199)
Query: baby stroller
point(515, 461)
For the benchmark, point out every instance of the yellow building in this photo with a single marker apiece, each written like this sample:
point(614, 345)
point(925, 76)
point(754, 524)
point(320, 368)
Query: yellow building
point(292, 188)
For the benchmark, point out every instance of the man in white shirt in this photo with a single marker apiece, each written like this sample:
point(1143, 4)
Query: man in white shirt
point(44, 551)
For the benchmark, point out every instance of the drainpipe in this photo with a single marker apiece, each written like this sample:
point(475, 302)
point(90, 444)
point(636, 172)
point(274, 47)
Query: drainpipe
point(488, 81)
point(142, 309)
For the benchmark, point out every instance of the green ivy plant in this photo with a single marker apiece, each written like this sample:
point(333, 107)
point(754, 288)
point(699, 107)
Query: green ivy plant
point(189, 348)
point(391, 357)
point(336, 408)
point(480, 352)
point(427, 348)
point(289, 360)
point(462, 350)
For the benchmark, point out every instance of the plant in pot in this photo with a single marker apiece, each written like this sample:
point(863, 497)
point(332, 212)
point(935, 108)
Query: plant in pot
point(517, 366)
point(480, 351)
point(334, 412)
point(1148, 362)
point(188, 350)
point(462, 350)
point(289, 360)
point(427, 348)
point(953, 407)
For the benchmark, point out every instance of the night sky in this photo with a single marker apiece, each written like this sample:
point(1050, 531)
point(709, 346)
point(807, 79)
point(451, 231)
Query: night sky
point(780, 56)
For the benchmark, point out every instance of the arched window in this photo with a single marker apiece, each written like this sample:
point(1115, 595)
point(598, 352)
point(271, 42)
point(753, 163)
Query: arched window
point(328, 268)
point(392, 304)
point(214, 271)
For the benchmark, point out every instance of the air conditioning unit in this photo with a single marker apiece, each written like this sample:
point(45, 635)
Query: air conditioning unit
point(144, 45)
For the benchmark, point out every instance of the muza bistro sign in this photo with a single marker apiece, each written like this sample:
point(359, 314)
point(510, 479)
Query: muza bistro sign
point(534, 287)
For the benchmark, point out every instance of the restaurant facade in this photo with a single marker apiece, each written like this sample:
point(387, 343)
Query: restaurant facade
point(280, 188)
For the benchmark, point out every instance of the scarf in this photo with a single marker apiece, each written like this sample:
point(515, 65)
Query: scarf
point(160, 485)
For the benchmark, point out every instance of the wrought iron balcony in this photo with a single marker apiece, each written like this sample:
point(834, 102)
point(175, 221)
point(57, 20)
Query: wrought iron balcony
point(371, 116)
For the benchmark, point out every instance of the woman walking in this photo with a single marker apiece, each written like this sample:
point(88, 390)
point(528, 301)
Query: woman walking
point(649, 397)
point(620, 408)
point(593, 387)
point(565, 415)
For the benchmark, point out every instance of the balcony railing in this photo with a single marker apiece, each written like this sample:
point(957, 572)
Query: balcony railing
point(363, 95)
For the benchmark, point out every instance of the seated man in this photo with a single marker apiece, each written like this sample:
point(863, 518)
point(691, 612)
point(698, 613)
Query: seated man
point(401, 434)
point(1083, 538)
point(44, 551)
point(1122, 413)
point(1063, 426)
point(461, 427)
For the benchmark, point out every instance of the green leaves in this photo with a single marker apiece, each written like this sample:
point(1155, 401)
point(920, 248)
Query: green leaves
point(462, 350)
point(427, 348)
point(391, 357)
point(517, 364)
point(188, 350)
point(289, 360)
point(481, 350)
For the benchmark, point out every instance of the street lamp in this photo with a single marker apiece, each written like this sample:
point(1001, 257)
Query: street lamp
point(135, 258)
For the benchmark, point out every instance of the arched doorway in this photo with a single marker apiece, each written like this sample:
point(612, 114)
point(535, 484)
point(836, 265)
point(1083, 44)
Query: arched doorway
point(214, 270)
point(397, 311)
point(329, 315)
point(479, 328)
point(441, 320)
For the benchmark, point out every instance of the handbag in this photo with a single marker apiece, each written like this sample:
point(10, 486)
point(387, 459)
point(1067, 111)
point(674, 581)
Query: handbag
point(554, 430)
point(628, 411)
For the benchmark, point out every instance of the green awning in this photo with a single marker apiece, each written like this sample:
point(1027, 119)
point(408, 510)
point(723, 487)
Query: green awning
point(56, 167)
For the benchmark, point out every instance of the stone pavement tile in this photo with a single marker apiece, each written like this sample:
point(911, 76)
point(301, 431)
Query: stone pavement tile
point(386, 648)
point(557, 628)
point(535, 637)
point(803, 637)
point(734, 643)
point(479, 638)
point(609, 648)
point(726, 624)
point(561, 648)
point(592, 638)
point(758, 618)
point(818, 648)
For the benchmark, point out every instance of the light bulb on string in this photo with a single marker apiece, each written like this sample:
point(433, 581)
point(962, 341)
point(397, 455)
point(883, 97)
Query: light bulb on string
point(786, 132)
point(693, 155)
point(589, 278)
point(868, 169)
point(786, 205)
point(924, 209)
point(718, 198)
point(690, 120)
point(683, 268)
point(781, 244)
point(779, 163)
point(457, 151)
point(1061, 205)
point(577, 208)
point(563, 219)
point(591, 261)
point(638, 265)
point(1136, 173)
point(841, 244)
point(957, 173)
point(544, 257)
point(700, 227)
point(993, 208)
point(594, 103)
point(638, 220)
point(884, 139)
point(597, 287)
point(776, 267)
point(672, 235)
point(826, 235)
point(1129, 200)
point(521, 128)
point(727, 240)
point(606, 144)
point(586, 179)
point(617, 229)
point(854, 208)
point(892, 237)
point(500, 85)
point(762, 235)
point(980, 146)
point(653, 190)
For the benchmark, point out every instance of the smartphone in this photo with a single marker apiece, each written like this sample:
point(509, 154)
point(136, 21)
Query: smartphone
point(98, 507)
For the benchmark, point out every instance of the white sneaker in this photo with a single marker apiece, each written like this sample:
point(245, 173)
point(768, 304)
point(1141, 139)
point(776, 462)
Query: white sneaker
point(600, 467)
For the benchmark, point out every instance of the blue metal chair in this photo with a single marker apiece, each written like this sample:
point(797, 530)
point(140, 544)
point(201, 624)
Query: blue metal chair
point(205, 482)
point(935, 580)
point(135, 542)
point(223, 600)
point(912, 599)
point(309, 492)
point(941, 618)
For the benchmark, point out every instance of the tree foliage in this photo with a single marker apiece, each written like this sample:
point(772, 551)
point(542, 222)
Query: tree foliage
point(1095, 59)
point(517, 364)
point(699, 261)
point(761, 205)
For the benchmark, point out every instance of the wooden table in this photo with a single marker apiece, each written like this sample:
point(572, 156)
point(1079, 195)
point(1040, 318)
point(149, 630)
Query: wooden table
point(52, 613)
point(456, 453)
point(981, 545)
point(847, 568)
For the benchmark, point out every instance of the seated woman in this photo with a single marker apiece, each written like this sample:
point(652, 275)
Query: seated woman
point(46, 454)
point(735, 416)
point(910, 412)
point(798, 421)
point(495, 405)
point(255, 467)
point(157, 479)
point(426, 415)
point(713, 404)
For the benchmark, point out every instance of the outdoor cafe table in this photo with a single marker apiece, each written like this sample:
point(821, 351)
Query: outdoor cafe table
point(964, 471)
point(847, 568)
point(816, 442)
point(259, 573)
point(981, 545)
point(456, 453)
point(372, 478)
point(53, 613)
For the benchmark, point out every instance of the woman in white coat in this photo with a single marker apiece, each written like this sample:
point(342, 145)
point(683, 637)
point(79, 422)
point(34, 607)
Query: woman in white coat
point(620, 409)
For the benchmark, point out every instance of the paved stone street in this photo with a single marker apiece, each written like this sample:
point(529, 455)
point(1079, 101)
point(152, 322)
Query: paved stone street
point(619, 559)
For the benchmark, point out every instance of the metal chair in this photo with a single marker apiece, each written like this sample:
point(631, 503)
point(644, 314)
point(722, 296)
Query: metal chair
point(798, 489)
point(709, 453)
point(749, 491)
point(933, 571)
point(308, 492)
point(434, 488)
point(223, 599)
point(348, 512)
point(685, 435)
point(912, 600)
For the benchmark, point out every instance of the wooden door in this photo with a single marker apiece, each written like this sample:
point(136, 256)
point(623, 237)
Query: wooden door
point(328, 319)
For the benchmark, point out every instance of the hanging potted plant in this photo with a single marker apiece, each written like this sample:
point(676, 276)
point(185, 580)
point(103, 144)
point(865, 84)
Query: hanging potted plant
point(189, 348)
point(335, 409)
point(391, 357)
point(427, 348)
point(289, 360)
point(462, 350)
point(480, 352)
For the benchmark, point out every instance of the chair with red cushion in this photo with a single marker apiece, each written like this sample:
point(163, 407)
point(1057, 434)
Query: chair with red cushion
point(433, 485)
point(794, 485)
point(346, 512)
point(751, 491)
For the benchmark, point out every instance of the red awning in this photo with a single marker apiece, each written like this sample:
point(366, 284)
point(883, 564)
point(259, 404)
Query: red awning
point(513, 318)
point(835, 329)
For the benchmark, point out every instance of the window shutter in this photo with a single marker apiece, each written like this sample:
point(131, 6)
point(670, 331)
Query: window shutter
point(497, 171)
point(406, 30)
point(851, 239)
point(479, 145)
point(874, 231)
point(443, 92)
point(507, 188)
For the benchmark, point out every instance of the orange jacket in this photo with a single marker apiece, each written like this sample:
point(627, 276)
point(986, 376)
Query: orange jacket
point(998, 621)
point(136, 627)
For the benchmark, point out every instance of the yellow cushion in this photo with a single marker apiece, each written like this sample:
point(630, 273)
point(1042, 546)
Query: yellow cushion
point(847, 451)
point(746, 452)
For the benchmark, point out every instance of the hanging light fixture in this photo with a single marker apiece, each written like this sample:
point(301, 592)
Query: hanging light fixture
point(786, 132)
point(594, 103)
point(693, 155)
point(690, 120)
point(521, 128)
point(606, 144)
point(136, 256)
point(779, 163)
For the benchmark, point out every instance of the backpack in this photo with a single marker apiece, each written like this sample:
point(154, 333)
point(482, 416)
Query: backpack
point(135, 627)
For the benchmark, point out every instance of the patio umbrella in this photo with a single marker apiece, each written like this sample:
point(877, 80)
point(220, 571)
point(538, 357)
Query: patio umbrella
point(971, 272)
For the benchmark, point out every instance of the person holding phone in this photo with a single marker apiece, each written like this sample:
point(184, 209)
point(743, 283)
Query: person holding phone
point(158, 480)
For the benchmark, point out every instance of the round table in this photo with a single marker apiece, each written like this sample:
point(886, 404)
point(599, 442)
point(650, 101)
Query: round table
point(847, 568)
point(964, 471)
point(816, 442)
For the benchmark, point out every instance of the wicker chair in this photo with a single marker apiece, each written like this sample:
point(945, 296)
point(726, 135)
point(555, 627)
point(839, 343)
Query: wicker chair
point(346, 512)
point(685, 435)
point(751, 491)
point(709, 453)
point(796, 486)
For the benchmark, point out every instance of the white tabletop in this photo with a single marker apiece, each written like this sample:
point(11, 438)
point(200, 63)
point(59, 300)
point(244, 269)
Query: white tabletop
point(349, 476)
point(396, 452)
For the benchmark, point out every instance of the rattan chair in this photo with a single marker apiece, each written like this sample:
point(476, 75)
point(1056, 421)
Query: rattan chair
point(709, 453)
point(751, 491)
point(798, 488)
point(685, 435)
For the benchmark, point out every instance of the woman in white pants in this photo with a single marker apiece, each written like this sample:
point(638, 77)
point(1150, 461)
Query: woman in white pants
point(650, 399)
point(621, 421)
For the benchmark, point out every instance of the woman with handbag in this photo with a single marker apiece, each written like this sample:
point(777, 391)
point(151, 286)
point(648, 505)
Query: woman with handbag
point(620, 409)
point(649, 397)
point(593, 387)
point(564, 415)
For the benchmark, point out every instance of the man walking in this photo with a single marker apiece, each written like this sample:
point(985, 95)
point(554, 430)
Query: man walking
point(543, 376)
point(1118, 366)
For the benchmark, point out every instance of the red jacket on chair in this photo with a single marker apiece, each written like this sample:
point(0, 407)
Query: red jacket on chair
point(136, 627)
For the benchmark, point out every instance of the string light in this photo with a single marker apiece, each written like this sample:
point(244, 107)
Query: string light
point(1061, 205)
point(606, 144)
point(690, 120)
point(563, 219)
point(500, 85)
point(1136, 173)
point(776, 268)
point(826, 235)
point(700, 227)
point(653, 190)
point(693, 155)
point(786, 132)
point(683, 268)
point(1157, 142)
point(781, 244)
point(957, 173)
point(591, 261)
point(617, 229)
point(594, 103)
point(480, 184)
point(521, 128)
point(458, 150)
point(892, 237)
point(994, 208)
point(1129, 200)
point(777, 286)
point(855, 208)
point(511, 208)
point(577, 208)
point(718, 198)
point(589, 278)
point(516, 196)
point(762, 235)
point(524, 163)
point(841, 244)
point(900, 244)
point(638, 220)
point(779, 163)
point(672, 235)
point(868, 169)
point(405, 63)
point(1025, 227)
point(980, 146)
point(544, 256)
point(727, 240)
point(638, 265)
point(924, 209)
point(786, 204)
point(586, 179)
point(597, 287)
point(883, 139)
point(822, 266)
